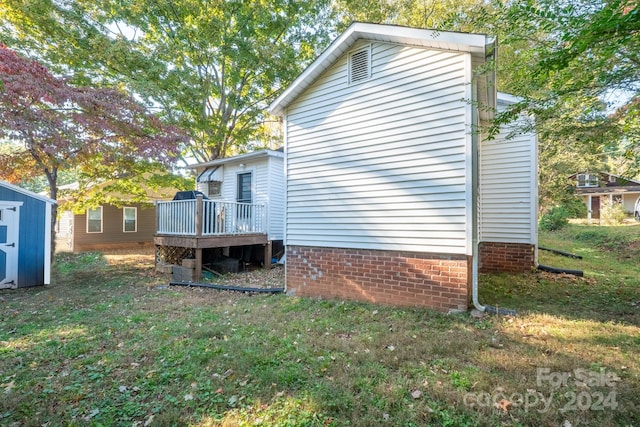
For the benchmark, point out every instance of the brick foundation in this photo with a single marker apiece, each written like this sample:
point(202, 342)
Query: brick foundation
point(441, 282)
point(506, 257)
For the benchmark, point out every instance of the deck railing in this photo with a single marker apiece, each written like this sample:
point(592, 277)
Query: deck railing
point(209, 218)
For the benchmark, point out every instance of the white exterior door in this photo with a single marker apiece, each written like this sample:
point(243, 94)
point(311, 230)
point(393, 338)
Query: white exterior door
point(9, 232)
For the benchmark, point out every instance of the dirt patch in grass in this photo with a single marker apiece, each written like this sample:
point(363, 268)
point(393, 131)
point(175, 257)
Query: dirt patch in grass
point(253, 278)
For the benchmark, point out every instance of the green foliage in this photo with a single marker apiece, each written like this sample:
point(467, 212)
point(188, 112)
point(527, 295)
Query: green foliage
point(556, 219)
point(611, 213)
point(575, 206)
point(210, 67)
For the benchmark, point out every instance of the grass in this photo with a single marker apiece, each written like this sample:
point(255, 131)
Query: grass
point(108, 343)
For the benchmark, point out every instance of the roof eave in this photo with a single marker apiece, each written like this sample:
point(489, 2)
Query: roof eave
point(254, 155)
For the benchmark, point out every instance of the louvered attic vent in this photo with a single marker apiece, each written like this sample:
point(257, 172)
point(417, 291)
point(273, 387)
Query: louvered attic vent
point(360, 65)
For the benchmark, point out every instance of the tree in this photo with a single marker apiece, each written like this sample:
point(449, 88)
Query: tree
point(578, 72)
point(52, 126)
point(208, 66)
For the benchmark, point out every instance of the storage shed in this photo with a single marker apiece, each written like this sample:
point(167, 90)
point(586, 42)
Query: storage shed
point(25, 237)
point(393, 195)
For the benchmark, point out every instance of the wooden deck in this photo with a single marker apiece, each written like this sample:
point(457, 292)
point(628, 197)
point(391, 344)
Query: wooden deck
point(201, 224)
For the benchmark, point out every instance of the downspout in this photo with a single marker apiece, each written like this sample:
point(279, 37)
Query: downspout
point(475, 254)
point(285, 126)
point(490, 51)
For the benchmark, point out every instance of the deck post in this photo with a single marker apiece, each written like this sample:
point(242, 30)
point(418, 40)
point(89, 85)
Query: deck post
point(199, 211)
point(198, 266)
point(268, 248)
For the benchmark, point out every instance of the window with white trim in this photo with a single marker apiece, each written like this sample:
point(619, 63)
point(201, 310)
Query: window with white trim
point(360, 65)
point(94, 220)
point(129, 219)
point(587, 180)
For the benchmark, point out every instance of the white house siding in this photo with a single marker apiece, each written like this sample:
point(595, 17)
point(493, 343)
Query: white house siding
point(508, 187)
point(276, 198)
point(382, 164)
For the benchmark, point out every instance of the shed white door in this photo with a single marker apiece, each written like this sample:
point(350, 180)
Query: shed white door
point(9, 232)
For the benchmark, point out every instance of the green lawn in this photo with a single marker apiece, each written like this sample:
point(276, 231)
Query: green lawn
point(108, 343)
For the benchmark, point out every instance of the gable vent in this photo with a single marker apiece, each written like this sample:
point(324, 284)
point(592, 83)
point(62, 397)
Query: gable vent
point(360, 65)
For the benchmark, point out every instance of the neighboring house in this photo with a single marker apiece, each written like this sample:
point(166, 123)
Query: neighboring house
point(244, 207)
point(594, 187)
point(390, 187)
point(25, 237)
point(122, 224)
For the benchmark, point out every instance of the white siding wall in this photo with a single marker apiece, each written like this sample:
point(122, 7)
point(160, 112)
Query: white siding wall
point(508, 188)
point(276, 198)
point(381, 164)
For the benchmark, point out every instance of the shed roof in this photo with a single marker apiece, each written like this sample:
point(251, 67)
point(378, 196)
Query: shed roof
point(27, 192)
point(480, 45)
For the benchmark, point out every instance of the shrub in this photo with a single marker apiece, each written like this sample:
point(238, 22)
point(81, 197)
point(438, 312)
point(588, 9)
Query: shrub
point(611, 213)
point(555, 219)
point(576, 208)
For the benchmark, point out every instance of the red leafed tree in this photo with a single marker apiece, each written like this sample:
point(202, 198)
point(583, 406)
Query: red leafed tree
point(101, 133)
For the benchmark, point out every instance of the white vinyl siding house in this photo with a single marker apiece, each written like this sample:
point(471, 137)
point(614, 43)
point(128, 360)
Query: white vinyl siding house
point(264, 170)
point(383, 163)
point(508, 184)
point(384, 187)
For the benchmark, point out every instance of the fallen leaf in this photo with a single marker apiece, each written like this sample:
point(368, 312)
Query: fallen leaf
point(218, 391)
point(280, 394)
point(504, 405)
point(8, 387)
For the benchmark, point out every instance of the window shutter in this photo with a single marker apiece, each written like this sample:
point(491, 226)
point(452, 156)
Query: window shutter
point(360, 65)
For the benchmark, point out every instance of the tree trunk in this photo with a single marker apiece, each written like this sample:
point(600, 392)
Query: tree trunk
point(52, 178)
